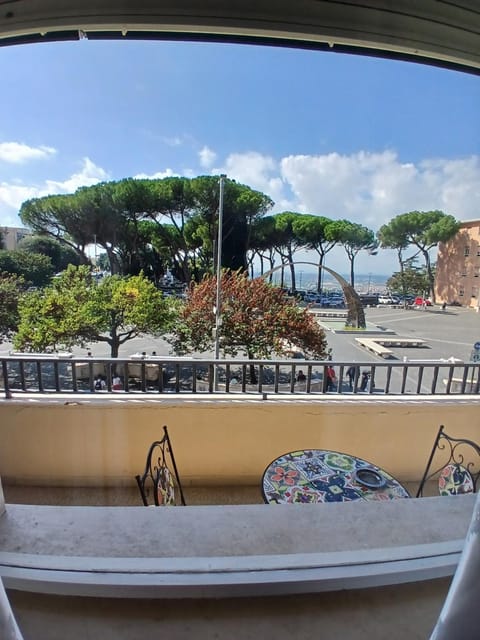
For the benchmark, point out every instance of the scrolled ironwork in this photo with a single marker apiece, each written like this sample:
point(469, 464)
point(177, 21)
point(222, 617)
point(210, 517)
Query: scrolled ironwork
point(158, 476)
point(459, 453)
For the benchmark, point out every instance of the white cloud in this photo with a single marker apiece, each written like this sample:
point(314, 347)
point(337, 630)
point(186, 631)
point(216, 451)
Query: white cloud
point(207, 157)
point(372, 188)
point(168, 173)
point(13, 194)
point(89, 174)
point(258, 172)
point(19, 153)
point(365, 187)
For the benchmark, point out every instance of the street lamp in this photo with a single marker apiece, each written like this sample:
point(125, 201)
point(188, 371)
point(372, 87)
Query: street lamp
point(218, 303)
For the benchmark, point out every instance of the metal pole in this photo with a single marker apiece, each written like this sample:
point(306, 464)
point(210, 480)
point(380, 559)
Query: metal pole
point(218, 302)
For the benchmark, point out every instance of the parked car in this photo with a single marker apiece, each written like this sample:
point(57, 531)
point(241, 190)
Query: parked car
point(385, 299)
point(336, 301)
point(368, 299)
point(422, 302)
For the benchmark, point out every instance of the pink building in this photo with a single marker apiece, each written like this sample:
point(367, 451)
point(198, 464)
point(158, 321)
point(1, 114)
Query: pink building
point(458, 267)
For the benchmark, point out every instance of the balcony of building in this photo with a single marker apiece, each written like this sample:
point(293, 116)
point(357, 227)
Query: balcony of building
point(78, 551)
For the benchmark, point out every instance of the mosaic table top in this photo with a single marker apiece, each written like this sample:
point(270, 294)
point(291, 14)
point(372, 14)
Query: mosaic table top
point(315, 475)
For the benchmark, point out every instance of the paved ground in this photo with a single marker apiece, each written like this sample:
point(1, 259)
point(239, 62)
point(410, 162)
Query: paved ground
point(450, 333)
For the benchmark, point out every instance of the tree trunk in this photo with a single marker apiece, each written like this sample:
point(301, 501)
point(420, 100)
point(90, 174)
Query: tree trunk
point(319, 275)
point(253, 373)
point(114, 348)
point(292, 271)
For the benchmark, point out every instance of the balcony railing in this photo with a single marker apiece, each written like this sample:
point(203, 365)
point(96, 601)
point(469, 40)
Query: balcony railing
point(64, 374)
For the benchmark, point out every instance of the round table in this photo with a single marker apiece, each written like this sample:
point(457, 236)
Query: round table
point(317, 475)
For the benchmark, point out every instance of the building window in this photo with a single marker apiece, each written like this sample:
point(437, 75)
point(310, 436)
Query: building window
point(466, 251)
point(476, 272)
point(461, 291)
point(474, 292)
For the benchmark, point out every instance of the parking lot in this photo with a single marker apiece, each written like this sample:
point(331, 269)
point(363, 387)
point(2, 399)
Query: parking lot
point(448, 334)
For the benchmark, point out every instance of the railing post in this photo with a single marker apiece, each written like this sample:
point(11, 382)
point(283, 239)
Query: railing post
point(6, 385)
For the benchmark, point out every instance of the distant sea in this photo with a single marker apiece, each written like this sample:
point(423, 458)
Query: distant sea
point(372, 283)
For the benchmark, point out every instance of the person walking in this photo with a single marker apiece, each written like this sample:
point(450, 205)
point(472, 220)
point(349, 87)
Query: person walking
point(351, 373)
point(100, 383)
point(301, 377)
point(116, 382)
point(365, 379)
point(331, 378)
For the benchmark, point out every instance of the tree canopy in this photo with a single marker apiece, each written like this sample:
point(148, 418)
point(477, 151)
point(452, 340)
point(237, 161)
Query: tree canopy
point(411, 281)
point(183, 216)
point(10, 288)
point(354, 238)
point(36, 269)
point(422, 229)
point(60, 254)
point(76, 310)
point(258, 320)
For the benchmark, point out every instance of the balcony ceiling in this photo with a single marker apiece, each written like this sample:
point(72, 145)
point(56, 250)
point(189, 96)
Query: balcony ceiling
point(444, 33)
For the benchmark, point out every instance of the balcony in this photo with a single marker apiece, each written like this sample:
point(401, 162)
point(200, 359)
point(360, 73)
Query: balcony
point(331, 566)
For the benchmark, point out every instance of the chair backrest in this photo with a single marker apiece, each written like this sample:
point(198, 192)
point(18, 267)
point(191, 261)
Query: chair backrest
point(455, 463)
point(160, 478)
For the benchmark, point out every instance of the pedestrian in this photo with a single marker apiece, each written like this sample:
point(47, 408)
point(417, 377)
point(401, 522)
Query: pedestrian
point(331, 378)
point(351, 373)
point(365, 379)
point(116, 382)
point(100, 383)
point(301, 377)
point(444, 306)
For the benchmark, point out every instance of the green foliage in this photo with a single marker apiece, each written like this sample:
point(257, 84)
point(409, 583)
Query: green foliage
point(257, 319)
point(354, 238)
point(410, 281)
point(60, 254)
point(11, 287)
point(34, 268)
point(318, 234)
point(115, 216)
point(422, 229)
point(75, 310)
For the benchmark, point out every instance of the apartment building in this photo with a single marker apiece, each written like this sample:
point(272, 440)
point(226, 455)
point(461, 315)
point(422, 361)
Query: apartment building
point(458, 267)
point(11, 236)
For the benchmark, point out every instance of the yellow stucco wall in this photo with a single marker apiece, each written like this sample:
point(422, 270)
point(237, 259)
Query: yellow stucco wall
point(224, 442)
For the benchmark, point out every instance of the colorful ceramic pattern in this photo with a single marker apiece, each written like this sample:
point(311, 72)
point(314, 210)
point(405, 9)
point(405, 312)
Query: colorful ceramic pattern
point(314, 475)
point(454, 479)
point(165, 487)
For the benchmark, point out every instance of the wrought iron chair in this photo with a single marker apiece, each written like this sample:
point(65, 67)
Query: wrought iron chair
point(457, 465)
point(160, 478)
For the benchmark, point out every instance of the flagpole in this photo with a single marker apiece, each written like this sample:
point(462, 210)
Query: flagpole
point(218, 301)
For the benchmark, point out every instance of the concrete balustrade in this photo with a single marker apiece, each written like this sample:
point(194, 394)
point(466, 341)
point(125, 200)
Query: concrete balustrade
point(370, 554)
point(216, 442)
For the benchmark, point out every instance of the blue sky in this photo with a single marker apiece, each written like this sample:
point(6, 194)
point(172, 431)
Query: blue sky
point(323, 133)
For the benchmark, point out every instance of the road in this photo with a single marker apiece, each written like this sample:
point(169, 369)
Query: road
point(450, 333)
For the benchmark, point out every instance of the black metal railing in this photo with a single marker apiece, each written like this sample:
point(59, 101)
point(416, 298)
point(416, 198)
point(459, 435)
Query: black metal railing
point(62, 374)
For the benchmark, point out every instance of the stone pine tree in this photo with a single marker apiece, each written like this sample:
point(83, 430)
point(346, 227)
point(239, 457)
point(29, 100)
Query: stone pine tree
point(423, 230)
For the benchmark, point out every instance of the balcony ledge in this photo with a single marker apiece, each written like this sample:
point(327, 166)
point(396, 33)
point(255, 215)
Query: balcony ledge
point(230, 551)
